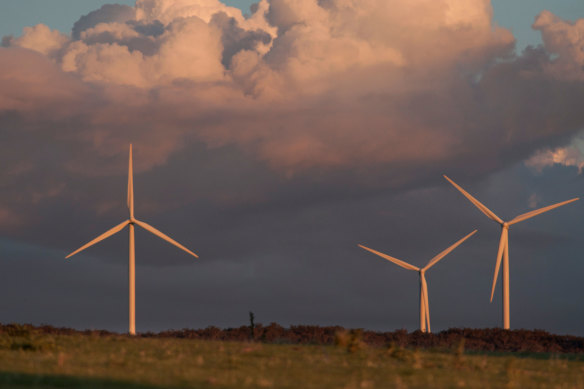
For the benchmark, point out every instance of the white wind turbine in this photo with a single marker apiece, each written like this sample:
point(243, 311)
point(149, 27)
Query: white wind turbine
point(504, 244)
point(424, 307)
point(131, 222)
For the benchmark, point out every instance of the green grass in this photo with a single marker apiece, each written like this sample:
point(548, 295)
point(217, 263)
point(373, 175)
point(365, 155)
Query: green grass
point(34, 360)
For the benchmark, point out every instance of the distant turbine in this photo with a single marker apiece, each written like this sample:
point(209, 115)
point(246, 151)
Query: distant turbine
point(504, 244)
point(424, 307)
point(131, 222)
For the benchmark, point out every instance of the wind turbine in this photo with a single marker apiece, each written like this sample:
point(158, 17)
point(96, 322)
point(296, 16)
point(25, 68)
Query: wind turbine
point(132, 268)
point(504, 243)
point(424, 307)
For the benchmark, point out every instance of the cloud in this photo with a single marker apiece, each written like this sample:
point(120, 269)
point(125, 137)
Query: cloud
point(39, 38)
point(9, 219)
point(34, 88)
point(109, 13)
point(565, 40)
point(533, 200)
point(305, 86)
point(571, 155)
point(235, 39)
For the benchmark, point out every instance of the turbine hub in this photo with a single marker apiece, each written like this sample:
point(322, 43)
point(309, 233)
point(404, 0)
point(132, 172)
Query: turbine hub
point(132, 220)
point(505, 225)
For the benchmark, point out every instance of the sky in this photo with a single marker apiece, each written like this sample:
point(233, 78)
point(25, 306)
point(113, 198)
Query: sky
point(271, 141)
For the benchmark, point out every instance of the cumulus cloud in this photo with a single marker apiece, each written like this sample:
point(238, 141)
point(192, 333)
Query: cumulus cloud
point(571, 155)
point(235, 39)
point(306, 85)
point(39, 38)
point(565, 39)
point(190, 49)
point(109, 13)
point(167, 11)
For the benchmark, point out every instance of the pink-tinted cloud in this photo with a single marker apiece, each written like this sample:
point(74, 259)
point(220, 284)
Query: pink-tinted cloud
point(571, 155)
point(565, 39)
point(167, 11)
point(300, 84)
point(40, 38)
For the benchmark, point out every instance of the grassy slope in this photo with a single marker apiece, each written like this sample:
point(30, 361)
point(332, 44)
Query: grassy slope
point(59, 361)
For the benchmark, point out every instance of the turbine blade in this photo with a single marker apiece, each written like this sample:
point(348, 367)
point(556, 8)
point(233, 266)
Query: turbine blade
point(477, 203)
point(103, 236)
point(502, 244)
point(153, 230)
point(531, 214)
point(427, 305)
point(447, 251)
point(130, 185)
point(398, 262)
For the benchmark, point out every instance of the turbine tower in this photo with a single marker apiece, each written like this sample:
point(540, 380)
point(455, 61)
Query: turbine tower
point(424, 307)
point(130, 223)
point(504, 244)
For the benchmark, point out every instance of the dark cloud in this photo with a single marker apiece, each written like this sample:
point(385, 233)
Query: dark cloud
point(108, 13)
point(300, 264)
point(235, 38)
point(153, 29)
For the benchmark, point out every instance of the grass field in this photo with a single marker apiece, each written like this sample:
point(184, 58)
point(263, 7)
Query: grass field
point(37, 360)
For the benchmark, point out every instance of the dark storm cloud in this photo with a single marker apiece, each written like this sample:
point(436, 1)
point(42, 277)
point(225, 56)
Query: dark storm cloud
point(301, 264)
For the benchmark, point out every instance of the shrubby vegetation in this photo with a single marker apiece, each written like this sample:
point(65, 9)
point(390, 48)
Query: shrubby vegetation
point(319, 358)
point(491, 339)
